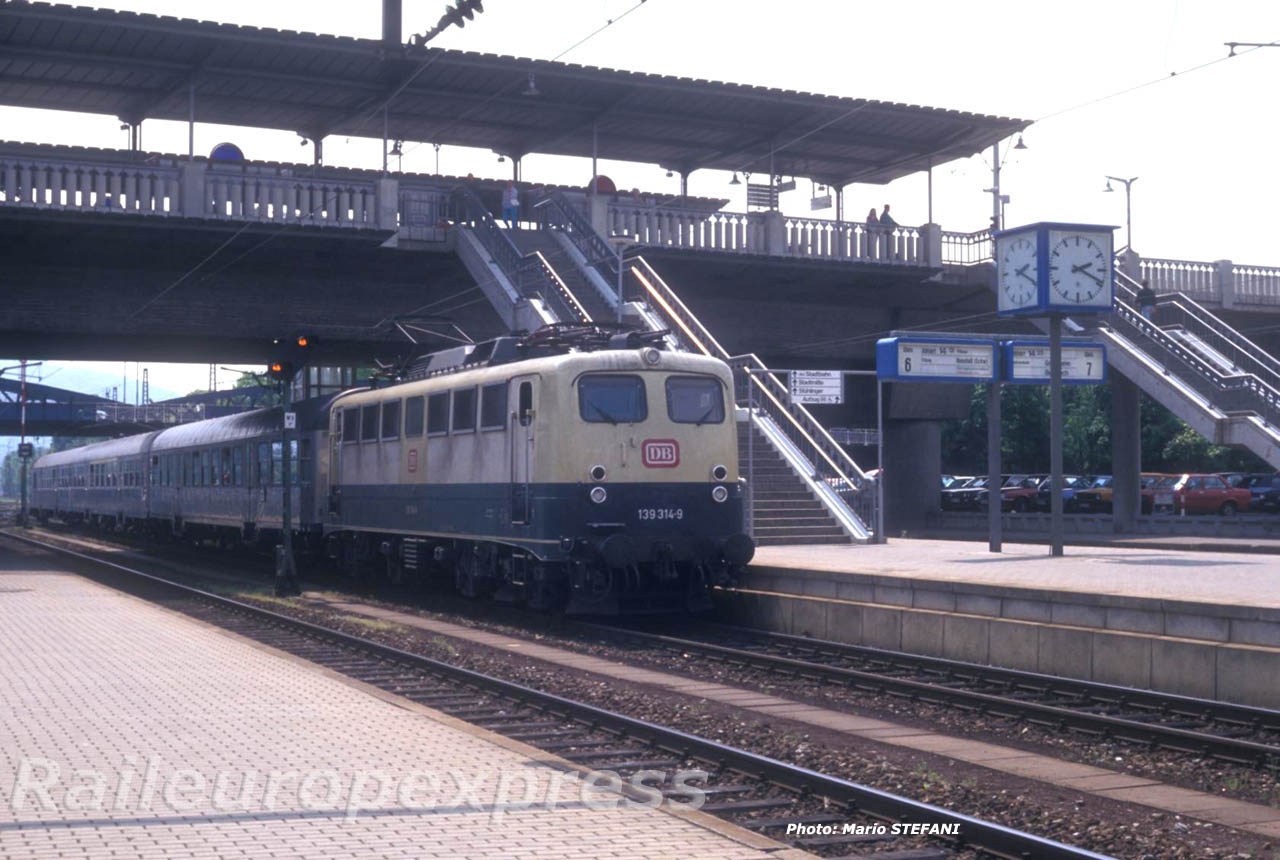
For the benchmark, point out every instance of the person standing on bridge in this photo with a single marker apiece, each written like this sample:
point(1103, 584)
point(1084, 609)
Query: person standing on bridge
point(1146, 301)
point(886, 228)
point(511, 206)
point(872, 233)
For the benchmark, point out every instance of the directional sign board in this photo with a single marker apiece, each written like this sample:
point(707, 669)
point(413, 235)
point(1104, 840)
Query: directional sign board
point(936, 359)
point(1027, 361)
point(291, 421)
point(817, 386)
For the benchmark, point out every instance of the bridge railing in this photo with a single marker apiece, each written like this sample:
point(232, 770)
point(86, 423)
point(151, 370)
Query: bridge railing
point(90, 185)
point(769, 233)
point(281, 194)
point(966, 249)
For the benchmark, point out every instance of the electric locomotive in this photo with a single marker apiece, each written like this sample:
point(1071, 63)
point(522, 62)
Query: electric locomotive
point(600, 481)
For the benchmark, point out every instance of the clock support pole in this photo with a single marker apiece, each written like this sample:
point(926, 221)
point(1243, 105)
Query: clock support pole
point(994, 496)
point(1055, 435)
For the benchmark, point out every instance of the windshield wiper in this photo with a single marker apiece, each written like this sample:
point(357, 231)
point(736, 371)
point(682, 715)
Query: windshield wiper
point(705, 415)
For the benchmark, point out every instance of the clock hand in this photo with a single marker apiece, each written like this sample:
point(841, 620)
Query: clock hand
point(1091, 276)
point(1081, 268)
point(1022, 272)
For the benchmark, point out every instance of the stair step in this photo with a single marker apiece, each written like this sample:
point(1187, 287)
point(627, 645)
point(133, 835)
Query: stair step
point(788, 522)
point(769, 540)
point(822, 529)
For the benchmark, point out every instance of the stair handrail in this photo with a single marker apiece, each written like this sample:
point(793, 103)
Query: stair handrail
point(575, 225)
point(530, 274)
point(562, 291)
point(1243, 392)
point(1212, 327)
point(804, 431)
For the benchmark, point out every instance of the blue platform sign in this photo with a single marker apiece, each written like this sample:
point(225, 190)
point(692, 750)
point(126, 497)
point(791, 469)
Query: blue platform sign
point(936, 359)
point(1054, 268)
point(1027, 361)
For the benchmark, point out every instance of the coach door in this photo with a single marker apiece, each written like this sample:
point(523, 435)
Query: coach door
point(524, 393)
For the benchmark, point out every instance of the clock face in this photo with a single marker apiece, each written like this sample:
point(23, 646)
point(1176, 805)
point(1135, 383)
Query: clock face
point(1019, 264)
point(1079, 268)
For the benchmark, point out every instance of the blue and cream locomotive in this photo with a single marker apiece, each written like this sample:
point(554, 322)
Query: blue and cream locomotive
point(599, 481)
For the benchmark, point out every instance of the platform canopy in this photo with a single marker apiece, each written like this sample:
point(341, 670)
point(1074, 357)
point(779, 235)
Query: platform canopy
point(140, 67)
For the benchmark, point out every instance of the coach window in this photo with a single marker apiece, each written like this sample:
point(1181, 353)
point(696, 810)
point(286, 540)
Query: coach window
point(237, 466)
point(493, 407)
point(695, 400)
point(464, 410)
point(413, 409)
point(225, 474)
point(391, 419)
point(438, 414)
point(302, 461)
point(264, 462)
point(369, 423)
point(612, 399)
point(277, 462)
point(350, 425)
point(208, 468)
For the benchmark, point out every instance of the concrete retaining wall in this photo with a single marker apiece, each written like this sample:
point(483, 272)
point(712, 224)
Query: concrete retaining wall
point(1204, 650)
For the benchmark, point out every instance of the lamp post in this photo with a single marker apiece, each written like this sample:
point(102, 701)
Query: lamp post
point(620, 241)
point(1128, 207)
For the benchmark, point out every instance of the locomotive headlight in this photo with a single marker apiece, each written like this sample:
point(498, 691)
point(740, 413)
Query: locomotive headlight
point(719, 473)
point(651, 355)
point(598, 494)
point(598, 473)
point(719, 493)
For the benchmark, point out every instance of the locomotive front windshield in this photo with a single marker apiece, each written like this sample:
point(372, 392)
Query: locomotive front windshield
point(694, 400)
point(612, 398)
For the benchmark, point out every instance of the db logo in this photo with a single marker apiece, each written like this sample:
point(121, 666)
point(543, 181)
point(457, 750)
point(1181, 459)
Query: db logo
point(660, 453)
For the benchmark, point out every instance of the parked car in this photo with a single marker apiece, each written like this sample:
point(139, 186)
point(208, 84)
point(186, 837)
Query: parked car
point(1209, 494)
point(1018, 494)
point(1095, 498)
point(1070, 484)
point(1156, 492)
point(1233, 479)
point(955, 482)
point(1265, 491)
point(971, 495)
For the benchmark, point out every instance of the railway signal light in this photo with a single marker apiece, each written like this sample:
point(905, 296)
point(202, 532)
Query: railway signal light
point(281, 370)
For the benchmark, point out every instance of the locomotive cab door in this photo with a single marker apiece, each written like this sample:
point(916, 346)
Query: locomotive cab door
point(524, 394)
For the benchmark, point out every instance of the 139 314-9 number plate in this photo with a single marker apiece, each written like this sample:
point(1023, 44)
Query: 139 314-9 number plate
point(660, 514)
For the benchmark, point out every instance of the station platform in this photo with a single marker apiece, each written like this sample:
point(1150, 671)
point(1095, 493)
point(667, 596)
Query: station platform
point(1202, 624)
point(132, 731)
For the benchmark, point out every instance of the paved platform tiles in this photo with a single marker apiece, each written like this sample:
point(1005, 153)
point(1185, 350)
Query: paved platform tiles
point(155, 735)
point(1236, 579)
point(1080, 777)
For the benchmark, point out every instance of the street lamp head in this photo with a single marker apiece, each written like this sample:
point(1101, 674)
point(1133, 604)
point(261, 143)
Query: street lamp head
point(735, 180)
point(1108, 188)
point(620, 240)
point(1020, 144)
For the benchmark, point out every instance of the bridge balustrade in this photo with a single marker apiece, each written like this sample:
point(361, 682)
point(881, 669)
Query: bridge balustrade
point(97, 186)
point(275, 193)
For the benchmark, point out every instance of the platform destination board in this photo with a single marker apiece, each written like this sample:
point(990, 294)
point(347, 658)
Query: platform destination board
point(817, 386)
point(1028, 362)
point(936, 359)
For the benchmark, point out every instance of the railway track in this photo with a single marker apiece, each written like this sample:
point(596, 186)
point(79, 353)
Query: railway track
point(1203, 727)
point(753, 791)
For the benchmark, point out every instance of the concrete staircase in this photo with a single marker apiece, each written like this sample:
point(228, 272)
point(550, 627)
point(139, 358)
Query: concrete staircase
point(786, 510)
point(544, 242)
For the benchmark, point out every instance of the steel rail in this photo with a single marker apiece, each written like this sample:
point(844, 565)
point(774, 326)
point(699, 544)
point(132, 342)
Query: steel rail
point(1053, 715)
point(975, 833)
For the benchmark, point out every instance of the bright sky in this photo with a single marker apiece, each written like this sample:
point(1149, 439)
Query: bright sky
point(1201, 141)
